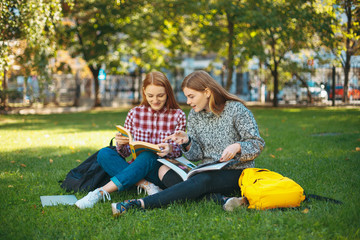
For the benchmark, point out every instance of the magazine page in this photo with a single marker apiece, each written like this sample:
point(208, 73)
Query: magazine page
point(180, 165)
point(186, 169)
point(208, 167)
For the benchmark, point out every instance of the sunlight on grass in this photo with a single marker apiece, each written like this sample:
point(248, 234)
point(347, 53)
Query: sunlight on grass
point(37, 151)
point(291, 110)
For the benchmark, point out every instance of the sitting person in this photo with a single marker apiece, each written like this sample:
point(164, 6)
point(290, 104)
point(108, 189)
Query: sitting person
point(220, 127)
point(157, 117)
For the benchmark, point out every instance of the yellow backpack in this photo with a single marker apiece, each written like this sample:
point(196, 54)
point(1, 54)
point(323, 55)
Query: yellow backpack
point(265, 189)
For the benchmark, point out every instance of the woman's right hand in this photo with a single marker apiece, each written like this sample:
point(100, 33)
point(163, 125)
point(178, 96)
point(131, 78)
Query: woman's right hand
point(179, 137)
point(120, 139)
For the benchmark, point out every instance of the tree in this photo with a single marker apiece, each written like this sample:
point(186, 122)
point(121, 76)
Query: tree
point(220, 28)
point(94, 29)
point(347, 37)
point(34, 23)
point(283, 28)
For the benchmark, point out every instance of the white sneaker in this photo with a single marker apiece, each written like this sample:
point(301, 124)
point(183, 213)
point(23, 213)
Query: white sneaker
point(233, 203)
point(149, 188)
point(92, 198)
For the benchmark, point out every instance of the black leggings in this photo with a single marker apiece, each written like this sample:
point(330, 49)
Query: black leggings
point(203, 184)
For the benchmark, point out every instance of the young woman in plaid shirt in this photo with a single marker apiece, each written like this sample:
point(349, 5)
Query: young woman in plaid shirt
point(157, 117)
point(220, 128)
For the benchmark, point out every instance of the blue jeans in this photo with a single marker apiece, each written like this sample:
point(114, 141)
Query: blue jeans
point(125, 175)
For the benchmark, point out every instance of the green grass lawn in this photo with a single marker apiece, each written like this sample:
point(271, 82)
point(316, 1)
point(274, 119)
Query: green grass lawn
point(318, 148)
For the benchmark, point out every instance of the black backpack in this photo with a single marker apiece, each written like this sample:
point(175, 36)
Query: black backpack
point(88, 176)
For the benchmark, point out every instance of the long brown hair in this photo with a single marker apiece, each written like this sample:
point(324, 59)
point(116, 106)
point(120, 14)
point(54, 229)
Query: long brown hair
point(159, 79)
point(200, 81)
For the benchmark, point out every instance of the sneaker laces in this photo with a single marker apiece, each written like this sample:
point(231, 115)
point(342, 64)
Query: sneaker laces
point(105, 194)
point(139, 190)
point(143, 186)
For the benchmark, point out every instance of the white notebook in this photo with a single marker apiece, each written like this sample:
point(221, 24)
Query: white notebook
point(58, 199)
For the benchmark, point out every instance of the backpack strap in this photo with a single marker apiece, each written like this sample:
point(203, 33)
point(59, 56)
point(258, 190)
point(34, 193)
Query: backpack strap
point(111, 142)
point(317, 197)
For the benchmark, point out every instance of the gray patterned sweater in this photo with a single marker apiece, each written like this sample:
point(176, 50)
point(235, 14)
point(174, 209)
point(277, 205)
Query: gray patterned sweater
point(211, 134)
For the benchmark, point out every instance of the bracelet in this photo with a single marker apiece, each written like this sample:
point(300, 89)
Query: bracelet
point(184, 145)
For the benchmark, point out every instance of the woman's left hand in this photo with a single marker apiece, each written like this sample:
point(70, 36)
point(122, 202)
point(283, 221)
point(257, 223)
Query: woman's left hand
point(230, 152)
point(166, 148)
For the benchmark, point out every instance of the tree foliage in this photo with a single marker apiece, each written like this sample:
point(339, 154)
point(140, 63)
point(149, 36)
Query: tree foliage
point(282, 28)
point(346, 41)
point(32, 21)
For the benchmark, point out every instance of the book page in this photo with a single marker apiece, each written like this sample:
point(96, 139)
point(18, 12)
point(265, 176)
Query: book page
point(180, 166)
point(208, 167)
point(186, 169)
point(138, 147)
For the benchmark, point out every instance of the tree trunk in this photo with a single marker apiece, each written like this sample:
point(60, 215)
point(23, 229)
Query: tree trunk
point(77, 90)
point(310, 100)
point(275, 74)
point(95, 73)
point(230, 60)
point(276, 84)
point(348, 52)
point(345, 97)
point(5, 90)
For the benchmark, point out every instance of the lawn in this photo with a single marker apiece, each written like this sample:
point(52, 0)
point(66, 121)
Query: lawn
point(318, 148)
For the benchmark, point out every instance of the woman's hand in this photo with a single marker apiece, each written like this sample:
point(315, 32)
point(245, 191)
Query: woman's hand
point(230, 152)
point(121, 140)
point(166, 148)
point(179, 137)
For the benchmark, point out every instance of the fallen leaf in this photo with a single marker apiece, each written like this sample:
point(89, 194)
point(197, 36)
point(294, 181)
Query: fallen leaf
point(357, 149)
point(279, 149)
point(51, 161)
point(23, 165)
point(306, 210)
point(89, 154)
point(283, 120)
point(273, 156)
point(10, 186)
point(12, 161)
point(78, 160)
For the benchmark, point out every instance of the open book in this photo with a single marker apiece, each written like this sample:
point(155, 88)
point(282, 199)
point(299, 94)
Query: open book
point(186, 169)
point(137, 147)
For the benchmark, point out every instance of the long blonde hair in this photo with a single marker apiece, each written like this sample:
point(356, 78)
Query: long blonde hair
point(200, 81)
point(159, 79)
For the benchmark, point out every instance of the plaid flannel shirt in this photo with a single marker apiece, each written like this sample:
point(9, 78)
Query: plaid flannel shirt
point(151, 126)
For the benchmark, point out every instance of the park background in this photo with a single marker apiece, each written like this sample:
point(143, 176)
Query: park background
point(95, 53)
point(87, 59)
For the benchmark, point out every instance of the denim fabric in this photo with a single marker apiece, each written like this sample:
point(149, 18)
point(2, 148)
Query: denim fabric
point(125, 175)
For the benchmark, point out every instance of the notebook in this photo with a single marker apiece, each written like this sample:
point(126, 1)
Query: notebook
point(58, 199)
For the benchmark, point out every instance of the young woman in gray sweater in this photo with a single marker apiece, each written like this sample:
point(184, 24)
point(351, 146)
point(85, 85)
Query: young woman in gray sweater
point(220, 128)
